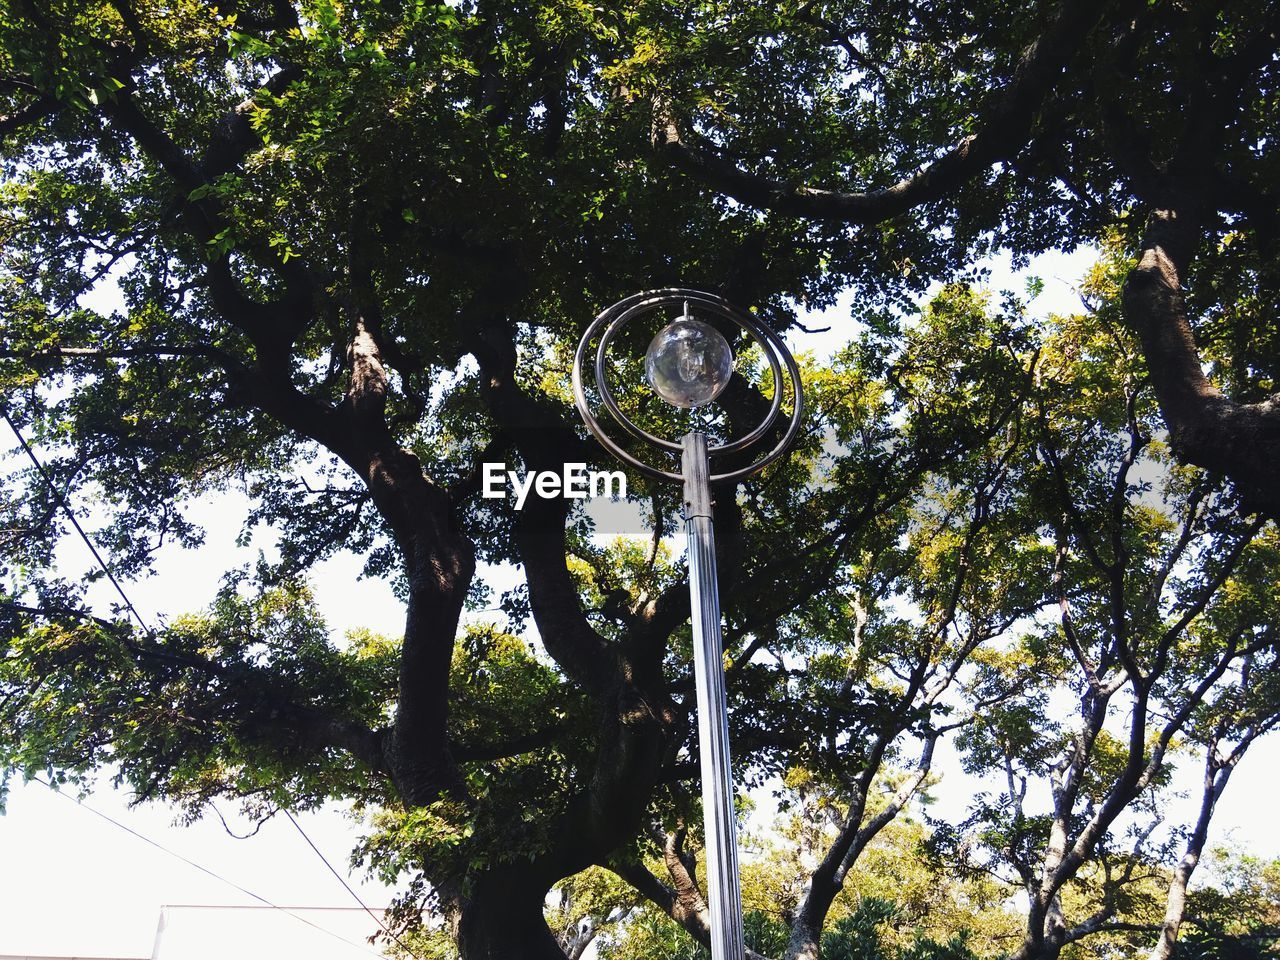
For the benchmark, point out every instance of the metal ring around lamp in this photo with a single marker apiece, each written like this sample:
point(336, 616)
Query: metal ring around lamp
point(611, 321)
point(718, 307)
point(688, 365)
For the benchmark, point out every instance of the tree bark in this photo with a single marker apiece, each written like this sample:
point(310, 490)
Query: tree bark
point(503, 919)
point(1240, 440)
point(502, 914)
point(1037, 949)
point(1004, 125)
point(1215, 781)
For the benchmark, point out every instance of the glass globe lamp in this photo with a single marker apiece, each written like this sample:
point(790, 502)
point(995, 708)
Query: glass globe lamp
point(688, 363)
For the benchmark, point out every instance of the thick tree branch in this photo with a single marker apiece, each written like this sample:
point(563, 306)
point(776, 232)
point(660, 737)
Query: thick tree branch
point(483, 752)
point(235, 136)
point(31, 113)
point(827, 879)
point(438, 559)
point(688, 908)
point(1239, 440)
point(1005, 128)
point(306, 720)
point(157, 352)
point(547, 442)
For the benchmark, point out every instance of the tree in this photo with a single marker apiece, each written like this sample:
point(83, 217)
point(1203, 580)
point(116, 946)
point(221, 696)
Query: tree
point(903, 904)
point(1236, 915)
point(301, 271)
point(336, 256)
point(1227, 728)
point(854, 679)
point(1164, 599)
point(1154, 119)
point(587, 905)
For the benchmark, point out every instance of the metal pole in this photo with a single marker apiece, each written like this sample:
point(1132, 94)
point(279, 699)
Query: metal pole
point(723, 894)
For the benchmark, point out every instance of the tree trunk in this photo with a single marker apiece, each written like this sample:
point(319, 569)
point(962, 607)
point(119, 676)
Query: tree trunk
point(503, 919)
point(1037, 949)
point(575, 945)
point(1215, 781)
point(502, 915)
point(1043, 939)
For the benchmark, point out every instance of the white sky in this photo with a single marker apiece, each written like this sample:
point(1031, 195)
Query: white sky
point(73, 884)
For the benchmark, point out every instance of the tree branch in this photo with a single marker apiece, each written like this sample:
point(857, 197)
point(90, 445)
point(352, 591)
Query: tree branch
point(1006, 126)
point(306, 719)
point(1240, 440)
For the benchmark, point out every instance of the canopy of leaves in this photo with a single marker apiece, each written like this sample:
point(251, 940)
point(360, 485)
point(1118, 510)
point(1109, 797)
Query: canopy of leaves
point(332, 257)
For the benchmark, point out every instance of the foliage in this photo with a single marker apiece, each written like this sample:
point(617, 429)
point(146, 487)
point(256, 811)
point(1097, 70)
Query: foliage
point(327, 259)
point(1238, 913)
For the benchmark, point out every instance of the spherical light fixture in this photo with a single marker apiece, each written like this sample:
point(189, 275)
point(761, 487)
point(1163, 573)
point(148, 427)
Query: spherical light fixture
point(688, 363)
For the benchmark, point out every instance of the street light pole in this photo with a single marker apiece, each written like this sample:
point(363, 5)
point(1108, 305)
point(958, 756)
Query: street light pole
point(688, 364)
point(723, 890)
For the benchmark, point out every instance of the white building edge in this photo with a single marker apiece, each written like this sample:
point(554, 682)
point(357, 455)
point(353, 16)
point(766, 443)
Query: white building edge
point(208, 932)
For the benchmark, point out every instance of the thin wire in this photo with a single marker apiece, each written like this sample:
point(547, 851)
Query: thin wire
point(342, 880)
point(66, 508)
point(132, 609)
point(204, 869)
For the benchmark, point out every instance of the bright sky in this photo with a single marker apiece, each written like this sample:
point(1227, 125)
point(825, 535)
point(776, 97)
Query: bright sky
point(74, 884)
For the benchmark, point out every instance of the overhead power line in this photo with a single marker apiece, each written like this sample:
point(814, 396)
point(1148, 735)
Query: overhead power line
point(203, 869)
point(343, 880)
point(66, 508)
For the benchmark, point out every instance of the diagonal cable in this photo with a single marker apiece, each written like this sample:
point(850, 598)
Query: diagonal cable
point(203, 869)
point(66, 508)
point(342, 880)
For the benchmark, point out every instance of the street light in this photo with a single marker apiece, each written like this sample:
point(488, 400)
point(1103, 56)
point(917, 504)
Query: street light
point(688, 364)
